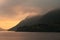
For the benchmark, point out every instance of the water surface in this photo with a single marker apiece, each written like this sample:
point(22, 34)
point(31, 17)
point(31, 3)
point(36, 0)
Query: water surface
point(5, 35)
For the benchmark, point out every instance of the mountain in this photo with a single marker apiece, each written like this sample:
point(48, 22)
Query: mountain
point(50, 22)
point(28, 21)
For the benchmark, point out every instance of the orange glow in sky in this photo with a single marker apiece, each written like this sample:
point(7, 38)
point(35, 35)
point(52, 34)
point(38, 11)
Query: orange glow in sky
point(14, 11)
point(7, 23)
point(8, 20)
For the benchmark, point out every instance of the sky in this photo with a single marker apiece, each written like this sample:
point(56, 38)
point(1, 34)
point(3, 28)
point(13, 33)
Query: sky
point(14, 11)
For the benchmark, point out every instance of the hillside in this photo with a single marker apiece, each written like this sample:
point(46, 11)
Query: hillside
point(50, 22)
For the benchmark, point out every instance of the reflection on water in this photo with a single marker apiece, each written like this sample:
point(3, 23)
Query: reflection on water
point(29, 35)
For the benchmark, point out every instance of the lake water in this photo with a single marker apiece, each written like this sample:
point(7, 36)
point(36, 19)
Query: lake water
point(5, 35)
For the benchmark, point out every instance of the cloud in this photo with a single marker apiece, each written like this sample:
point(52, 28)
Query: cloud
point(35, 3)
point(27, 5)
point(13, 11)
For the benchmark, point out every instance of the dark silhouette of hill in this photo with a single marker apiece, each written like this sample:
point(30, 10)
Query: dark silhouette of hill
point(50, 22)
point(52, 17)
point(27, 21)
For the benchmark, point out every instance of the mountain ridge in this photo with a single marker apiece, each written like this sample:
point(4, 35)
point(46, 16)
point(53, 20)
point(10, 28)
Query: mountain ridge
point(49, 22)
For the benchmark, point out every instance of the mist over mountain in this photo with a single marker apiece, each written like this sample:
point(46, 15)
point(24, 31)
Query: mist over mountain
point(50, 22)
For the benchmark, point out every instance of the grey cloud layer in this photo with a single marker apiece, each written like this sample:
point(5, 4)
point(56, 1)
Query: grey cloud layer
point(38, 3)
point(45, 4)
